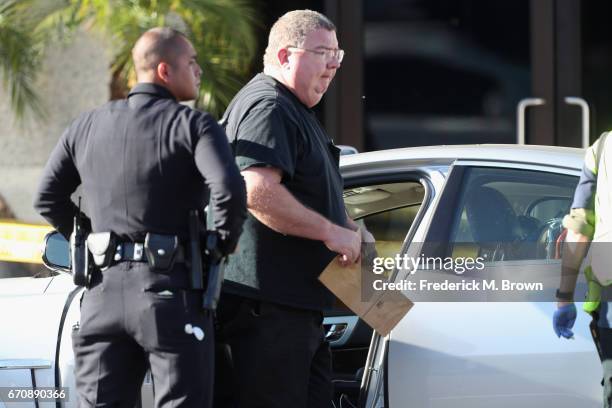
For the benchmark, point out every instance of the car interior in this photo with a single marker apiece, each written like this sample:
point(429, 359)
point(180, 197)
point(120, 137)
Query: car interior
point(512, 216)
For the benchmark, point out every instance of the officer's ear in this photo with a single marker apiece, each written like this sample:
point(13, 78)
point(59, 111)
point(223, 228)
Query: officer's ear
point(163, 71)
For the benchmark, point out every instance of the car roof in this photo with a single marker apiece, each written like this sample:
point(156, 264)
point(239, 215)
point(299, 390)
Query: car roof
point(555, 156)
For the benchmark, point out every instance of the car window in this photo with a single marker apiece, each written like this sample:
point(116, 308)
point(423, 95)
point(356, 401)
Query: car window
point(387, 211)
point(548, 207)
point(509, 214)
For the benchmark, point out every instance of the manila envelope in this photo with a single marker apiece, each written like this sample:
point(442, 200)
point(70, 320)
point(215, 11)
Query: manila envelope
point(382, 312)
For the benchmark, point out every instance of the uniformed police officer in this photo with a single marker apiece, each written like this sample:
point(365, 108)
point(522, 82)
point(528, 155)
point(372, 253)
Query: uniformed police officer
point(143, 163)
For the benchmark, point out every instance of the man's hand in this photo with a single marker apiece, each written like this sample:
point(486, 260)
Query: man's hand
point(345, 242)
point(563, 319)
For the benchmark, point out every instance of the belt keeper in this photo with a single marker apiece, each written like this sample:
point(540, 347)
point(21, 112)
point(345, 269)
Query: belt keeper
point(136, 253)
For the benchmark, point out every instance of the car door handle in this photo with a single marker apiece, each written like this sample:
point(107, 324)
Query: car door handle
point(520, 116)
point(338, 329)
point(335, 331)
point(586, 116)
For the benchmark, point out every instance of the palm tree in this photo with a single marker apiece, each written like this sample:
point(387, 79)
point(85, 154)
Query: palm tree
point(22, 41)
point(222, 32)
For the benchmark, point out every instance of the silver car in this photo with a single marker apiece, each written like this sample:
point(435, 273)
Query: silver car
point(442, 353)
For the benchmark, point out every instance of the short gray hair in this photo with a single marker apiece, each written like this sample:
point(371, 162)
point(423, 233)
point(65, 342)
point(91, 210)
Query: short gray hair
point(292, 29)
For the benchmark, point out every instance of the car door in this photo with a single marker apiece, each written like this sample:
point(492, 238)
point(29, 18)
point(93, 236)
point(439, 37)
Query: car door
point(463, 352)
point(392, 202)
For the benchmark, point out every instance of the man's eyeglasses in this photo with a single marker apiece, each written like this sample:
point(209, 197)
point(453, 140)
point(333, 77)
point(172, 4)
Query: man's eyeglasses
point(329, 53)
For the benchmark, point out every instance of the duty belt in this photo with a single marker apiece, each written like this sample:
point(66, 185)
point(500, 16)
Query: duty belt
point(130, 251)
point(134, 251)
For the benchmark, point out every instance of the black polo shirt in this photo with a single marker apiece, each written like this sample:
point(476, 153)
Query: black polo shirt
point(143, 163)
point(268, 126)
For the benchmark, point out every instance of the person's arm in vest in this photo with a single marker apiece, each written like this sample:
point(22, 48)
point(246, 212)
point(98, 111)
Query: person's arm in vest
point(580, 227)
point(581, 219)
point(580, 222)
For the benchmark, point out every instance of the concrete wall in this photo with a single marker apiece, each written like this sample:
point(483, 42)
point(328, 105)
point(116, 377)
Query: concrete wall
point(74, 78)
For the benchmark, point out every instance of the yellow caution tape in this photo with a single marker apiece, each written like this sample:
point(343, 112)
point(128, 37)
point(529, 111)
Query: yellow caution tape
point(22, 242)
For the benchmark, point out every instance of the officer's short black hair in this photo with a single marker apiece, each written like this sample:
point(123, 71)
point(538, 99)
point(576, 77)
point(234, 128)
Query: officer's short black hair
point(159, 44)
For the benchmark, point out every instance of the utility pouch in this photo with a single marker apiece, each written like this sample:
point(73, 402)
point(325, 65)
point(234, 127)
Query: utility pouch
point(102, 247)
point(79, 255)
point(161, 250)
point(80, 259)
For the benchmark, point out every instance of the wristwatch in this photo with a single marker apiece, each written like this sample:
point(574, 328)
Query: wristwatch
point(566, 296)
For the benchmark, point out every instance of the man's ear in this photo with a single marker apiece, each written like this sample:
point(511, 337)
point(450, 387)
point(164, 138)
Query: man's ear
point(163, 71)
point(283, 57)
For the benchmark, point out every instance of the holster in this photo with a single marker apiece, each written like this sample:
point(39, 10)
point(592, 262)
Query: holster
point(102, 247)
point(161, 250)
point(196, 267)
point(215, 267)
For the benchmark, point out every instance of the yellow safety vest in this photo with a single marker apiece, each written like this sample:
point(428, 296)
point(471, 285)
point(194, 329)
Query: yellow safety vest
point(596, 161)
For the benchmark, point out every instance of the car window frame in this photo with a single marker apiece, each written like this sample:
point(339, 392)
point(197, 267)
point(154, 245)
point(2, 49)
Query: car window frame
point(416, 175)
point(424, 175)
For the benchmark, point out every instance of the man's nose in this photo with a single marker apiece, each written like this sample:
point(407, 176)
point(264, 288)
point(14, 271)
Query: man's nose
point(333, 63)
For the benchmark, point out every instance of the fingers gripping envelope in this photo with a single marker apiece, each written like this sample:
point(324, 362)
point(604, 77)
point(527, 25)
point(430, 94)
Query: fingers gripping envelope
point(381, 310)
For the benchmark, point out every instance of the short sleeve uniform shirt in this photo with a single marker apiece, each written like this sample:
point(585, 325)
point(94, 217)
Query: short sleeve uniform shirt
point(268, 126)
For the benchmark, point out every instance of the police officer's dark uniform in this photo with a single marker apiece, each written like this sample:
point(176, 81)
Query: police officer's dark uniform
point(271, 307)
point(143, 163)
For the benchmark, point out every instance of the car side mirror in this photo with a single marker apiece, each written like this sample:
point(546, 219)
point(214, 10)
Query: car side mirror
point(56, 254)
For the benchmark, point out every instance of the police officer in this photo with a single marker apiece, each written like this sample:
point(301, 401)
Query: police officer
point(143, 163)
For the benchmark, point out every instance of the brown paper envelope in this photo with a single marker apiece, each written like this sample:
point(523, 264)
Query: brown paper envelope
point(345, 283)
point(382, 312)
point(387, 311)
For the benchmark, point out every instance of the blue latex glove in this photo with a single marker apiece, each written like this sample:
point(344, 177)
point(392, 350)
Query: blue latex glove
point(563, 321)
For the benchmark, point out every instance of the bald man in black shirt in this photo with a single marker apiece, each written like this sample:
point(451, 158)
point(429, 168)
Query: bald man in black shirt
point(143, 163)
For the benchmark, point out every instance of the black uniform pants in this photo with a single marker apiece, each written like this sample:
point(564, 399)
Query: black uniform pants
point(271, 356)
point(131, 319)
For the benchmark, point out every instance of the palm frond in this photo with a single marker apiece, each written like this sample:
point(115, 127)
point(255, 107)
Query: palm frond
point(222, 32)
point(20, 55)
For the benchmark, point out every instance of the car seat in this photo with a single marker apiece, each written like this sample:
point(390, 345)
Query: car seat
point(493, 223)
